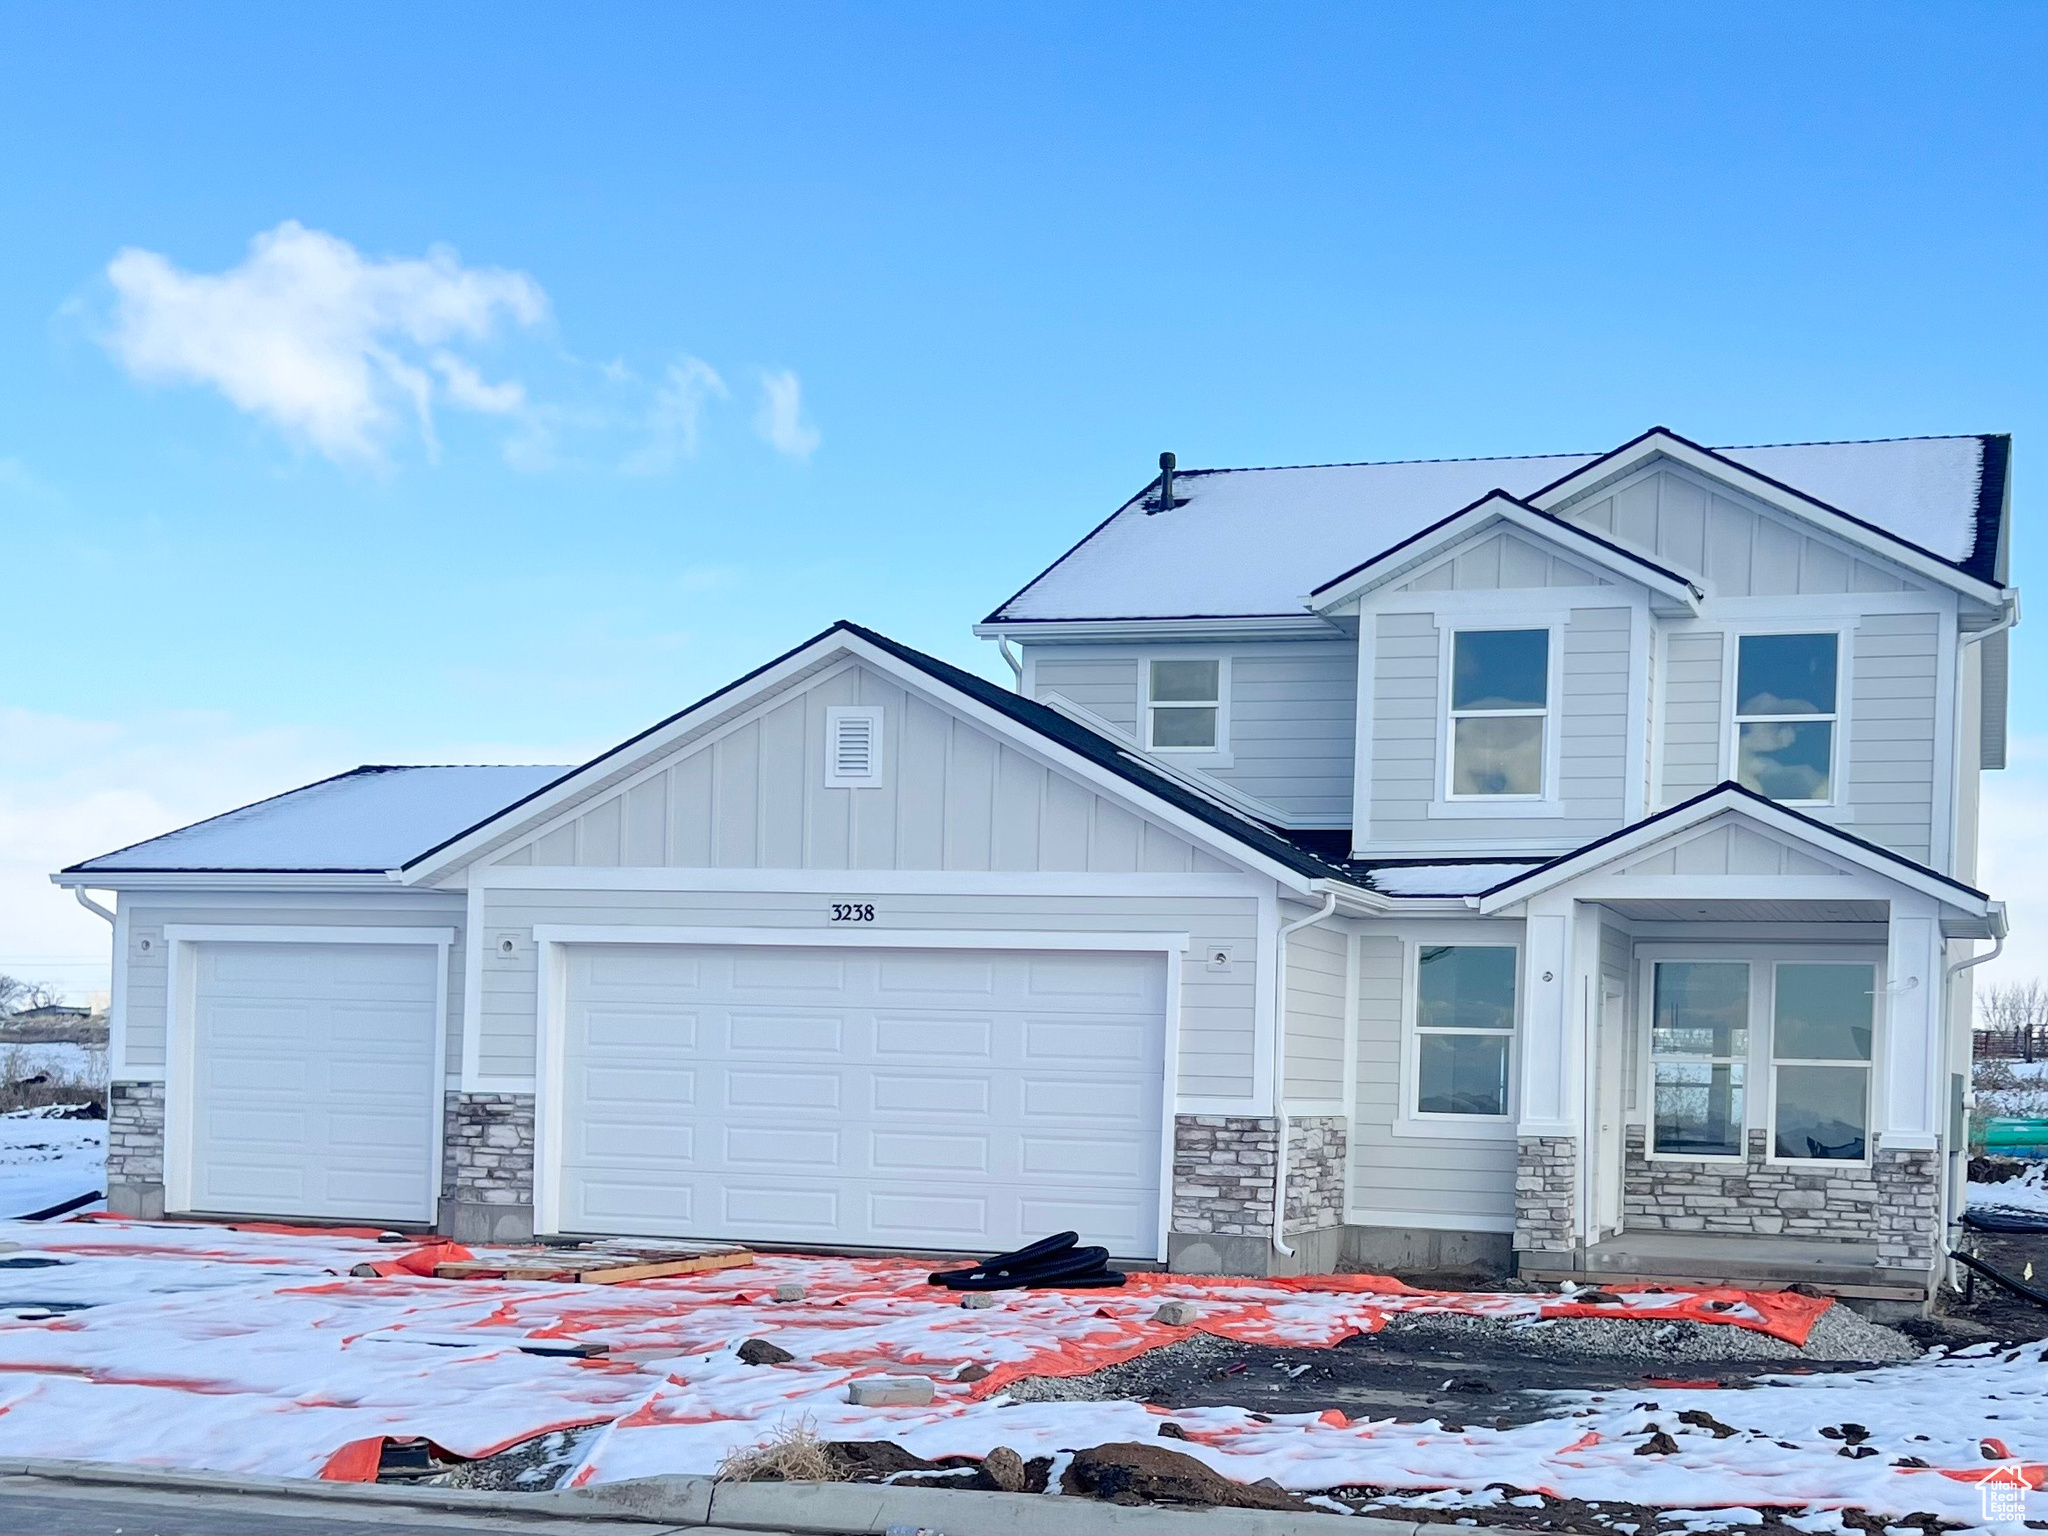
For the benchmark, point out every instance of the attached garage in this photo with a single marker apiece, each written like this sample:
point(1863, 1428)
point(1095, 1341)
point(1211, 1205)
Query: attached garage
point(312, 1078)
point(855, 1095)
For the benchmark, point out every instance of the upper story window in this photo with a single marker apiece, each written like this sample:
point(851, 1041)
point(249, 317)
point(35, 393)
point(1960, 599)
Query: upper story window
point(1184, 706)
point(1464, 1028)
point(1785, 715)
point(1500, 709)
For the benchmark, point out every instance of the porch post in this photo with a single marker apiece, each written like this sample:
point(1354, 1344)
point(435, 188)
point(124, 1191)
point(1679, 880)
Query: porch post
point(1546, 1137)
point(1908, 1120)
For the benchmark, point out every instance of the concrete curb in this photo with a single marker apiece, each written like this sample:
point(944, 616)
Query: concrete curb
point(811, 1509)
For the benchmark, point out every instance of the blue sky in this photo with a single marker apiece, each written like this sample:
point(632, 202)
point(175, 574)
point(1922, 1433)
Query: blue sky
point(746, 318)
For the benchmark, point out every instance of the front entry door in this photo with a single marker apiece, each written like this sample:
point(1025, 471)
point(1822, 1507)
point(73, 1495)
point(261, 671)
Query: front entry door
point(1610, 1045)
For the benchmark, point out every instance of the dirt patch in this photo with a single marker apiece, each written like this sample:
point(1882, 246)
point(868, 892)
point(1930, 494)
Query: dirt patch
point(1131, 1472)
point(1463, 1370)
point(1984, 1309)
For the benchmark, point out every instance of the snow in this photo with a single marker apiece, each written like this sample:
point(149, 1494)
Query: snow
point(253, 1351)
point(46, 1160)
point(2028, 1192)
point(1444, 879)
point(1257, 541)
point(370, 819)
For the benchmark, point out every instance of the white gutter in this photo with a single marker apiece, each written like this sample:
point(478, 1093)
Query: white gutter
point(90, 905)
point(1016, 662)
point(2011, 617)
point(1280, 1071)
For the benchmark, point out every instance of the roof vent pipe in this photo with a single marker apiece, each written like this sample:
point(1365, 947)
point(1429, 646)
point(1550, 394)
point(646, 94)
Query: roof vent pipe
point(1166, 466)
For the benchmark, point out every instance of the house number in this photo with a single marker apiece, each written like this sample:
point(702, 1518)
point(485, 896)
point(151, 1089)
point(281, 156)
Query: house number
point(853, 911)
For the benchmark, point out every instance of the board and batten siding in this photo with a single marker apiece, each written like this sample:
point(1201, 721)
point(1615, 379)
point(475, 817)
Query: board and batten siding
point(1318, 979)
point(1436, 1179)
point(1591, 716)
point(1741, 548)
point(145, 997)
point(952, 797)
point(1217, 1010)
point(1503, 561)
point(1292, 708)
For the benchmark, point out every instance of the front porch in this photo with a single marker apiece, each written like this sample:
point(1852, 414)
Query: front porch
point(1741, 1058)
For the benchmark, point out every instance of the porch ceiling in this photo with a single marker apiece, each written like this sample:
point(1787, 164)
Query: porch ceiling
point(1686, 911)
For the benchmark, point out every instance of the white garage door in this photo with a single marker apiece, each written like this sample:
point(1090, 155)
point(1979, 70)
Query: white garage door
point(893, 1098)
point(313, 1087)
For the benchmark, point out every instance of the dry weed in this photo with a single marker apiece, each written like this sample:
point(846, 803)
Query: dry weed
point(792, 1453)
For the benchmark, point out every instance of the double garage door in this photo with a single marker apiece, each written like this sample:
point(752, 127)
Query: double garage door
point(964, 1099)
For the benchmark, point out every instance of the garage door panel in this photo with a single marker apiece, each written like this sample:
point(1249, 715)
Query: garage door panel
point(892, 1093)
point(648, 1027)
point(630, 1141)
point(611, 1201)
point(761, 1146)
point(923, 1099)
point(313, 1091)
point(778, 1033)
point(940, 1035)
point(797, 1208)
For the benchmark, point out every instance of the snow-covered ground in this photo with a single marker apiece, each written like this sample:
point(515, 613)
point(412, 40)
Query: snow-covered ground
point(2028, 1192)
point(46, 1160)
point(256, 1351)
point(59, 1058)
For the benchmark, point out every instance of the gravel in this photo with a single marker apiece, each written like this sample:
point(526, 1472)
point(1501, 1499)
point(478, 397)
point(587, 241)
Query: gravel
point(1838, 1334)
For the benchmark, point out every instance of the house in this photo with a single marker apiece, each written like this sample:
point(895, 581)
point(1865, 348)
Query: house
point(1568, 861)
point(48, 1013)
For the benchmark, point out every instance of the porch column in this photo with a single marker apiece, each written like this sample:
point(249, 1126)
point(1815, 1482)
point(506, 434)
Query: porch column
point(1546, 1135)
point(1909, 1123)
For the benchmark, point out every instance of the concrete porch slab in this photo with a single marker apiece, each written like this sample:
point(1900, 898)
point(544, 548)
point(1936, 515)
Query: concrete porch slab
point(1708, 1258)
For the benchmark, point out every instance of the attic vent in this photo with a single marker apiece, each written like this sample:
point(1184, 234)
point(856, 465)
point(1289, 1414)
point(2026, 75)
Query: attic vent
point(853, 746)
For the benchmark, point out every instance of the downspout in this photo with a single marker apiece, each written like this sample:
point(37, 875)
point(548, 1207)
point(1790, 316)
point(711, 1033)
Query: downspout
point(2011, 617)
point(1280, 1071)
point(1016, 662)
point(90, 905)
point(1956, 969)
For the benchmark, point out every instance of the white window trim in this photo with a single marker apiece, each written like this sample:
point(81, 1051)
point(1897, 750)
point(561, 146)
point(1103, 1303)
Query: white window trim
point(1410, 1121)
point(1759, 1105)
point(872, 713)
point(1218, 756)
point(1844, 632)
point(1450, 805)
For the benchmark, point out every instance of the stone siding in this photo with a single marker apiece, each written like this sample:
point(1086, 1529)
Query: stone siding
point(488, 1154)
point(1908, 1208)
point(1546, 1188)
point(1316, 1150)
point(1756, 1196)
point(135, 1149)
point(1223, 1174)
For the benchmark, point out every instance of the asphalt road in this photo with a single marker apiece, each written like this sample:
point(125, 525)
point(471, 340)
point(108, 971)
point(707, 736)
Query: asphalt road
point(33, 1507)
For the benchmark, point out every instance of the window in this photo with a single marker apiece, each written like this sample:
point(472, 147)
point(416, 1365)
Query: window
point(1184, 706)
point(1821, 1017)
point(1500, 699)
point(853, 746)
point(1785, 715)
point(1464, 1028)
point(1699, 1050)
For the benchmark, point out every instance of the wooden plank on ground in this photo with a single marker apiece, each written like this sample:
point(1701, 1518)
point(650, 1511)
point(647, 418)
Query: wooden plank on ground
point(583, 1267)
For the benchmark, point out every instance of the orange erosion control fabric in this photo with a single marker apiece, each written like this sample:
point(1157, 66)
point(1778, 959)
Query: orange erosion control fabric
point(261, 1352)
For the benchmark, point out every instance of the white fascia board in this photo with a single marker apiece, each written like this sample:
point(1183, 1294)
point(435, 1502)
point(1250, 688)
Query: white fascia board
point(219, 880)
point(1767, 818)
point(1603, 472)
point(1257, 626)
point(1477, 520)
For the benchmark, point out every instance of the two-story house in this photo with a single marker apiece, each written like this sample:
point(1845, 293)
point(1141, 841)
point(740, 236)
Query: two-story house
point(1415, 865)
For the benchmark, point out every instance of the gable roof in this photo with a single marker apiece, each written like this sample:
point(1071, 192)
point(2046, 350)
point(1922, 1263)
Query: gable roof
point(1497, 507)
point(1245, 543)
point(364, 821)
point(1704, 807)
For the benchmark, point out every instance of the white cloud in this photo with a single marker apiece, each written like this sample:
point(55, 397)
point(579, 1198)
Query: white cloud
point(311, 335)
point(780, 419)
point(674, 417)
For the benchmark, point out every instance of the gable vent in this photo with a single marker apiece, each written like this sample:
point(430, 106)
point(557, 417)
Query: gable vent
point(853, 746)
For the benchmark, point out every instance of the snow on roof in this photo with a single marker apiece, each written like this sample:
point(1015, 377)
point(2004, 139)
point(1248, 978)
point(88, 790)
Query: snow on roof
point(370, 819)
point(1251, 542)
point(1445, 879)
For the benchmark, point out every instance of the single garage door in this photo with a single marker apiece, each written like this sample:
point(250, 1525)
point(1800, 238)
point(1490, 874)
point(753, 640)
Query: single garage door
point(893, 1098)
point(313, 1084)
